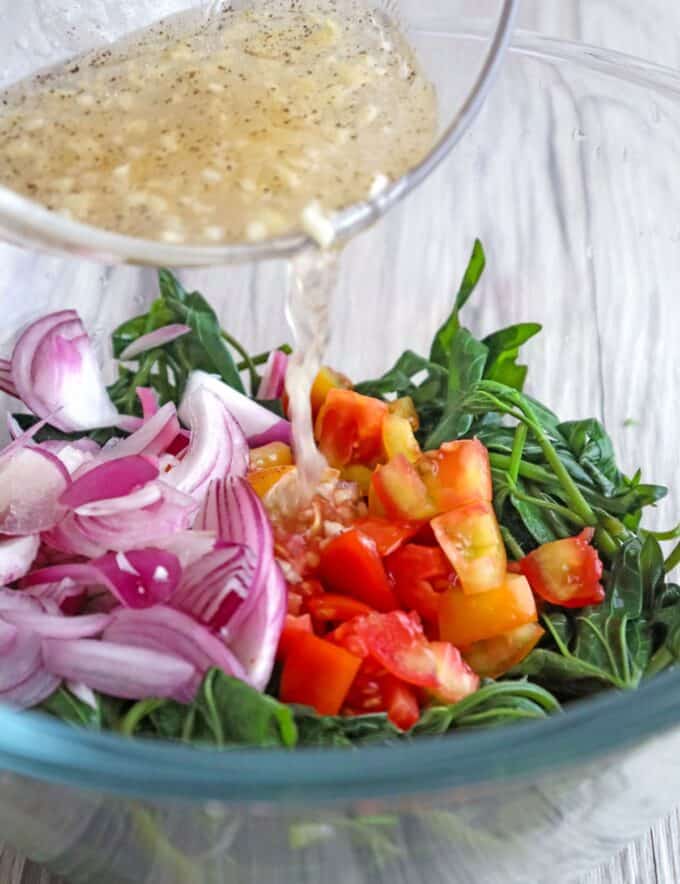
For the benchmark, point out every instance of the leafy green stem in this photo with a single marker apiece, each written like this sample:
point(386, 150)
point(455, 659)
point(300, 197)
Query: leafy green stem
point(137, 714)
point(513, 547)
point(261, 358)
point(518, 444)
point(673, 559)
point(247, 360)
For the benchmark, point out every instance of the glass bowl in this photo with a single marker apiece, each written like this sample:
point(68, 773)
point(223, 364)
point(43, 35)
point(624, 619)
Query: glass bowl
point(41, 33)
point(570, 179)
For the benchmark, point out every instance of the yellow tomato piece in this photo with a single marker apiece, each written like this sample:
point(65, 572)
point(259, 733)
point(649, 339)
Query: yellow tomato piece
point(466, 619)
point(401, 491)
point(358, 473)
point(493, 657)
point(276, 454)
point(326, 380)
point(398, 438)
point(471, 539)
point(404, 407)
point(262, 481)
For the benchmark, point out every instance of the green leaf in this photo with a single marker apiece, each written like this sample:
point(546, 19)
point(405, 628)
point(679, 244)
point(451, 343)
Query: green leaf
point(503, 347)
point(495, 703)
point(44, 434)
point(67, 707)
point(328, 730)
point(236, 714)
point(610, 644)
point(466, 367)
point(205, 348)
point(443, 340)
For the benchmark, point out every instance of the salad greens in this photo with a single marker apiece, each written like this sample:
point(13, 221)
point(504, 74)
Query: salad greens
point(551, 479)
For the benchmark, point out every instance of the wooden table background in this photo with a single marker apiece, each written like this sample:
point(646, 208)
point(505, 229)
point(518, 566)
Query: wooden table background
point(650, 30)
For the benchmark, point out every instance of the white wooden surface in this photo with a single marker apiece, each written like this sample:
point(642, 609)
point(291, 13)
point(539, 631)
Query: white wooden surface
point(652, 30)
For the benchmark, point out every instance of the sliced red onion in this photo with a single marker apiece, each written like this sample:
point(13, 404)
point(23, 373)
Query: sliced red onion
point(217, 448)
point(8, 636)
point(17, 554)
point(234, 511)
point(138, 578)
point(257, 422)
point(17, 600)
point(179, 444)
point(149, 401)
point(167, 630)
point(188, 546)
point(217, 585)
point(135, 500)
point(130, 423)
point(22, 661)
point(69, 597)
point(83, 693)
point(274, 376)
point(55, 372)
point(6, 382)
point(55, 626)
point(94, 535)
point(156, 338)
point(124, 671)
point(112, 479)
point(31, 482)
point(257, 639)
point(36, 687)
point(152, 438)
point(141, 577)
point(72, 454)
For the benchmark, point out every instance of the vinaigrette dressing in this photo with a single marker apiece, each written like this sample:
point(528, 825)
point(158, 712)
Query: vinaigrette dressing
point(222, 130)
point(249, 123)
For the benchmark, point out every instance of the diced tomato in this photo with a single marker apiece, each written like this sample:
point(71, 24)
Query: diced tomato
point(465, 619)
point(317, 673)
point(326, 380)
point(387, 535)
point(566, 572)
point(413, 569)
point(350, 564)
point(396, 641)
point(401, 492)
point(401, 703)
point(455, 678)
point(331, 608)
point(404, 407)
point(293, 627)
point(493, 657)
point(472, 541)
point(458, 473)
point(300, 593)
point(358, 473)
point(366, 693)
point(262, 481)
point(348, 427)
point(398, 438)
point(275, 454)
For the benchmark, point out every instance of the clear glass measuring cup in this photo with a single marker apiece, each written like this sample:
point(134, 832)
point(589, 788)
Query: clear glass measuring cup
point(40, 33)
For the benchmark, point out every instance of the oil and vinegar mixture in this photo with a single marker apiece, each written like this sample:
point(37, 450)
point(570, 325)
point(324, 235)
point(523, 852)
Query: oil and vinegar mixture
point(256, 120)
point(222, 129)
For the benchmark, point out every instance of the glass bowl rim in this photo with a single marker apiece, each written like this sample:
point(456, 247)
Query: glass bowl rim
point(34, 745)
point(31, 223)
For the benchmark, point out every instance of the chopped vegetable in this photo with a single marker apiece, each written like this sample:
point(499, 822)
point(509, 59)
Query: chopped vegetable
point(317, 673)
point(465, 619)
point(351, 564)
point(471, 539)
point(566, 572)
point(160, 559)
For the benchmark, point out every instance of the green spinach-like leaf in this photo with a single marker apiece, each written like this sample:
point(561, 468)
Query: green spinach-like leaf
point(503, 347)
point(441, 346)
